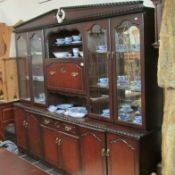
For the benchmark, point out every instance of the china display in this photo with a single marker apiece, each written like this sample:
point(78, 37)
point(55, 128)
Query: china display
point(30, 67)
point(89, 75)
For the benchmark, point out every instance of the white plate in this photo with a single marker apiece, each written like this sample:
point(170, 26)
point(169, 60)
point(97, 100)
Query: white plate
point(78, 112)
point(64, 106)
point(76, 42)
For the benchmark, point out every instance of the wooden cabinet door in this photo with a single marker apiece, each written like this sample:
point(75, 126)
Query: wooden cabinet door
point(34, 139)
point(66, 76)
point(50, 146)
point(70, 150)
point(93, 152)
point(122, 155)
point(20, 124)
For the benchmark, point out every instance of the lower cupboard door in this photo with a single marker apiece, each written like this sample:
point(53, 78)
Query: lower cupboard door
point(70, 150)
point(122, 156)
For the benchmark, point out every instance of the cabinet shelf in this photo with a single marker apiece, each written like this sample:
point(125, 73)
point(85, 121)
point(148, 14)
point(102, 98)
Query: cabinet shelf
point(103, 98)
point(65, 45)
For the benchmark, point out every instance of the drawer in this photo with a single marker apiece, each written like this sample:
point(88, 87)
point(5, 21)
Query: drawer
point(51, 122)
point(70, 129)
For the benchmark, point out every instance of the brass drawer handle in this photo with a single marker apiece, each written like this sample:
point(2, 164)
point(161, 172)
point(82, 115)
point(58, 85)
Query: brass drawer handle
point(68, 128)
point(46, 121)
point(52, 72)
point(74, 74)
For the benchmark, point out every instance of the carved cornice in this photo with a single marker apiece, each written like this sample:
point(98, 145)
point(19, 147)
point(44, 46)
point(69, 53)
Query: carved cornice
point(77, 14)
point(104, 5)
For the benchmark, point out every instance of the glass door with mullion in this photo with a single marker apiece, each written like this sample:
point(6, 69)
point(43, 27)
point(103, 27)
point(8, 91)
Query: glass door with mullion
point(98, 69)
point(23, 61)
point(128, 86)
point(37, 56)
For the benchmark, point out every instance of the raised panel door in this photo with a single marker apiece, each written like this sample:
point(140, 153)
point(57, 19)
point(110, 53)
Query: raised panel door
point(20, 125)
point(70, 149)
point(50, 146)
point(33, 133)
point(122, 155)
point(93, 152)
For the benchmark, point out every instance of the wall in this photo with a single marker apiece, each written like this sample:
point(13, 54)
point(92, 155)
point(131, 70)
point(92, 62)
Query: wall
point(11, 11)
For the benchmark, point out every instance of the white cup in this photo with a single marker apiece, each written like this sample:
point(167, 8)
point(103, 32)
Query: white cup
point(75, 52)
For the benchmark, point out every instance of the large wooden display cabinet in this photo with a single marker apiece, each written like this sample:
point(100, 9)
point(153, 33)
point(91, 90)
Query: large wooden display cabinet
point(113, 75)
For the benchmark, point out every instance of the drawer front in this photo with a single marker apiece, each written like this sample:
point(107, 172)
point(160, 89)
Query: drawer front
point(59, 126)
point(66, 76)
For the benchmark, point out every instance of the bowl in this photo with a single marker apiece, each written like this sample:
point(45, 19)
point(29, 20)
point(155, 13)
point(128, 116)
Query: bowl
point(60, 54)
point(60, 41)
point(76, 37)
point(68, 40)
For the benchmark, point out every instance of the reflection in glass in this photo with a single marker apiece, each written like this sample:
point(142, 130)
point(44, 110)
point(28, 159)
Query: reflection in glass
point(127, 44)
point(23, 67)
point(37, 70)
point(98, 71)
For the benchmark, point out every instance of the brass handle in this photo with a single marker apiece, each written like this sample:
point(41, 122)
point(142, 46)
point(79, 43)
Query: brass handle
point(103, 152)
point(68, 128)
point(52, 72)
point(58, 141)
point(46, 121)
point(74, 74)
point(107, 152)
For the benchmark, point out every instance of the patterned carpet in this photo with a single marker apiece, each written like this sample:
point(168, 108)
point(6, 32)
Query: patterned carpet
point(40, 165)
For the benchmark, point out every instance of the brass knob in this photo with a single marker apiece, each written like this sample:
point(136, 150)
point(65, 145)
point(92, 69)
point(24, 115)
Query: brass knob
point(58, 141)
point(68, 128)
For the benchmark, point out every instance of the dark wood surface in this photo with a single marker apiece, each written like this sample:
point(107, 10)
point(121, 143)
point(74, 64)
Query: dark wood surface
point(6, 117)
point(11, 164)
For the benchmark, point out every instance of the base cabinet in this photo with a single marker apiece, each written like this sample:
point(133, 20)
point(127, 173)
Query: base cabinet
point(28, 132)
point(61, 147)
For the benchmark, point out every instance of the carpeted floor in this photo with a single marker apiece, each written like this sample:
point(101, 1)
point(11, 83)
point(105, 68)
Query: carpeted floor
point(40, 164)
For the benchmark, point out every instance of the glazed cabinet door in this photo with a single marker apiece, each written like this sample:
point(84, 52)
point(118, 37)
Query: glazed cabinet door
point(20, 126)
point(51, 143)
point(122, 155)
point(128, 66)
point(98, 69)
point(93, 152)
point(23, 62)
point(33, 133)
point(36, 45)
point(70, 150)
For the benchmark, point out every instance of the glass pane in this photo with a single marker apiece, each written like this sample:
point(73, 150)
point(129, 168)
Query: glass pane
point(98, 71)
point(37, 70)
point(23, 61)
point(127, 38)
